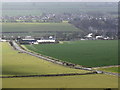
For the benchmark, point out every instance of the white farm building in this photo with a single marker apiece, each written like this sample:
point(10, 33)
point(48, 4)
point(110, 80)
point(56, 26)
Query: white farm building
point(47, 41)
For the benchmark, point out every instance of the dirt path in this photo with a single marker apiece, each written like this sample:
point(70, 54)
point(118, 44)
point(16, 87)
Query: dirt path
point(106, 66)
point(109, 73)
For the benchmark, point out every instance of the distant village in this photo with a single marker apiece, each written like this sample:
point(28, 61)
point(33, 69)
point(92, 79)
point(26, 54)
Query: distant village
point(104, 25)
point(95, 27)
point(52, 17)
point(32, 40)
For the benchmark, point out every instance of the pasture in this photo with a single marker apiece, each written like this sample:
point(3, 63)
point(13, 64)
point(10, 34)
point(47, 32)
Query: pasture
point(111, 69)
point(87, 53)
point(31, 27)
point(15, 63)
point(85, 81)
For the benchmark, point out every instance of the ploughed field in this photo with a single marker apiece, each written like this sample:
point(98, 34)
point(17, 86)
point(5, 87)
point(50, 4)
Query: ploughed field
point(87, 53)
point(14, 63)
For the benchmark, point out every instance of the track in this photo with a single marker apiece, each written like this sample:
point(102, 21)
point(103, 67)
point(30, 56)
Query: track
point(106, 66)
point(110, 73)
point(17, 47)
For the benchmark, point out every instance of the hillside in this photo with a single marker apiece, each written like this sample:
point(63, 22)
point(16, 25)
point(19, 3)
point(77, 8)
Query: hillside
point(15, 63)
point(31, 27)
point(87, 53)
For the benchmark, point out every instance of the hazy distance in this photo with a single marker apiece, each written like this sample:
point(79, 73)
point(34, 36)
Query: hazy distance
point(60, 0)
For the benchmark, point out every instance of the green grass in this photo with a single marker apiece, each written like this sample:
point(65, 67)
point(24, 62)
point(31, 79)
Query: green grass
point(111, 69)
point(27, 34)
point(85, 81)
point(86, 53)
point(28, 27)
point(14, 63)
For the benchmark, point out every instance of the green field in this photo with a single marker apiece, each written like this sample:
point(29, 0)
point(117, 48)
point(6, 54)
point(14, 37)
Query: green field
point(85, 81)
point(15, 63)
point(29, 27)
point(87, 53)
point(111, 69)
point(8, 35)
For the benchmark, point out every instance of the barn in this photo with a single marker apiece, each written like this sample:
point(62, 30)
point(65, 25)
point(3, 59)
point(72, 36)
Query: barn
point(27, 40)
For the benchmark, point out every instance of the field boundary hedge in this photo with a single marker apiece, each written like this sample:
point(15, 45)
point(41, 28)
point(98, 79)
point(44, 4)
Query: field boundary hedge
point(48, 75)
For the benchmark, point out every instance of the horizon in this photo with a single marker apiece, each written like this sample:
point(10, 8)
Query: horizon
point(60, 0)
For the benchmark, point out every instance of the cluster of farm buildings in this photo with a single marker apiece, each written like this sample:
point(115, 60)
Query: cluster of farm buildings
point(51, 39)
point(31, 40)
point(90, 36)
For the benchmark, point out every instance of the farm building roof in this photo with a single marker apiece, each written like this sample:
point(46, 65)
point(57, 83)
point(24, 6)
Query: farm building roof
point(45, 40)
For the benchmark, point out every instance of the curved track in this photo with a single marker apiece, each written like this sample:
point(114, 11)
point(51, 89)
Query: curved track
point(17, 47)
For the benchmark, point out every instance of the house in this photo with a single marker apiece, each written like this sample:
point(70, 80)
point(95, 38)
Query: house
point(89, 36)
point(100, 37)
point(2, 40)
point(106, 38)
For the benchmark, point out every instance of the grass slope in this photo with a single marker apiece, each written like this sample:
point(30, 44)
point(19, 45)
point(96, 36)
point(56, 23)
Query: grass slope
point(85, 81)
point(15, 63)
point(111, 69)
point(86, 53)
point(28, 27)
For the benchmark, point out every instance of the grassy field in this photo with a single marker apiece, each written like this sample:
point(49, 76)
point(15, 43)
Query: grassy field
point(8, 35)
point(85, 81)
point(111, 69)
point(28, 27)
point(15, 63)
point(86, 53)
